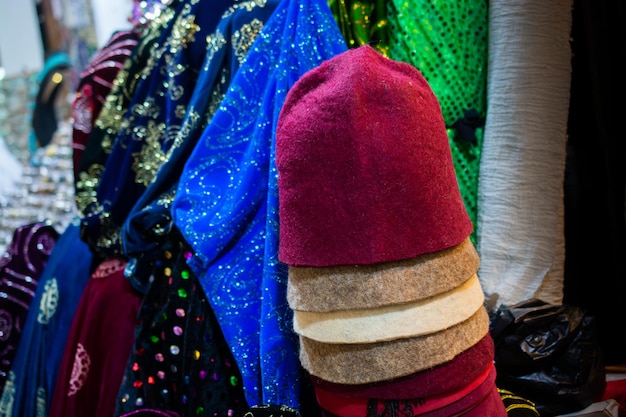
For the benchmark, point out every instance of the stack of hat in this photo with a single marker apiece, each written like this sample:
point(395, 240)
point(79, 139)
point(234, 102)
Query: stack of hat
point(382, 275)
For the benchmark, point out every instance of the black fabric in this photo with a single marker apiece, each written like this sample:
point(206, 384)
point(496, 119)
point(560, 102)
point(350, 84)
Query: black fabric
point(180, 360)
point(548, 354)
point(595, 177)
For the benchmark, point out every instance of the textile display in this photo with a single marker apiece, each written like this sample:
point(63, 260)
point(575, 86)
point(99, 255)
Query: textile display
point(226, 201)
point(520, 221)
point(31, 381)
point(175, 311)
point(150, 124)
point(109, 121)
point(366, 178)
point(21, 266)
point(95, 83)
point(92, 365)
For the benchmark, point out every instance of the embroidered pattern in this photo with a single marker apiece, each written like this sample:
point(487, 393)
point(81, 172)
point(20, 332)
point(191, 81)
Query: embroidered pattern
point(49, 301)
point(80, 370)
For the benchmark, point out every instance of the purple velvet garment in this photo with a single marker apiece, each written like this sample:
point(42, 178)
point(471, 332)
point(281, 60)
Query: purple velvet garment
point(20, 268)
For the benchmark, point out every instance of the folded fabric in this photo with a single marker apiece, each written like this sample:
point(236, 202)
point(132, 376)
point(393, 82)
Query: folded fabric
point(361, 363)
point(367, 286)
point(476, 398)
point(449, 376)
point(396, 321)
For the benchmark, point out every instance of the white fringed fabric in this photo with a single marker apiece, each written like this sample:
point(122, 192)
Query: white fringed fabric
point(520, 230)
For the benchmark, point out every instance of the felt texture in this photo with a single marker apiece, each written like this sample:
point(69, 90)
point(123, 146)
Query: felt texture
point(479, 399)
point(369, 286)
point(448, 376)
point(396, 321)
point(328, 400)
point(365, 171)
point(362, 363)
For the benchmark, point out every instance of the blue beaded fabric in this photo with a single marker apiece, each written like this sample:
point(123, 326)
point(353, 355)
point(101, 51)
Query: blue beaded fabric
point(181, 361)
point(226, 204)
point(150, 222)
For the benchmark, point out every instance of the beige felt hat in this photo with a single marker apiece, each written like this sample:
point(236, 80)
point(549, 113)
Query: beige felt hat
point(425, 316)
point(363, 363)
point(323, 289)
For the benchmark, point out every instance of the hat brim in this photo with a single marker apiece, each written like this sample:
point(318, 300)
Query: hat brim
point(323, 289)
point(448, 376)
point(362, 363)
point(421, 317)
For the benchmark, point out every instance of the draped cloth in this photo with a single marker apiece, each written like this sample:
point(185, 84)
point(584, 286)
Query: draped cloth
point(98, 344)
point(181, 361)
point(95, 83)
point(149, 223)
point(21, 265)
point(32, 378)
point(520, 194)
point(150, 125)
point(108, 123)
point(226, 201)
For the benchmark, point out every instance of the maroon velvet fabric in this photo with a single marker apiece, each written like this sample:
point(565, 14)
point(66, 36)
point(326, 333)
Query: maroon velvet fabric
point(21, 266)
point(94, 84)
point(483, 401)
point(365, 171)
point(98, 346)
point(450, 376)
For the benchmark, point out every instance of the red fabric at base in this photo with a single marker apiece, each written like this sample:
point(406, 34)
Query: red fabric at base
point(98, 345)
point(616, 390)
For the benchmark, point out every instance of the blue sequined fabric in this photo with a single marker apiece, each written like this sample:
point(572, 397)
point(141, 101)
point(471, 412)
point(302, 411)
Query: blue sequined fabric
point(226, 201)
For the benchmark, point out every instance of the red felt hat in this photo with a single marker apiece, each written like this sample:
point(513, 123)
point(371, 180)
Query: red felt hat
point(365, 171)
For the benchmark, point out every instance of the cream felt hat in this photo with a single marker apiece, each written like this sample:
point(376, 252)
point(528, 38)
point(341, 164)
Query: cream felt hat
point(395, 321)
point(361, 363)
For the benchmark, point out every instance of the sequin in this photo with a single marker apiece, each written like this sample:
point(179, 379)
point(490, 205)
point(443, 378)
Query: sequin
point(159, 357)
point(174, 350)
point(196, 354)
point(226, 200)
point(182, 293)
point(180, 312)
point(184, 274)
point(178, 331)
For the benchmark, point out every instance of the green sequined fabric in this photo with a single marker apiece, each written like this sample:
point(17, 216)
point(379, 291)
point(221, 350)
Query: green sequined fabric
point(363, 22)
point(447, 42)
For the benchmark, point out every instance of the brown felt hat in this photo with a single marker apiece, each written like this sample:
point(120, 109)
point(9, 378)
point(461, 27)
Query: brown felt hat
point(370, 286)
point(395, 321)
point(364, 363)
